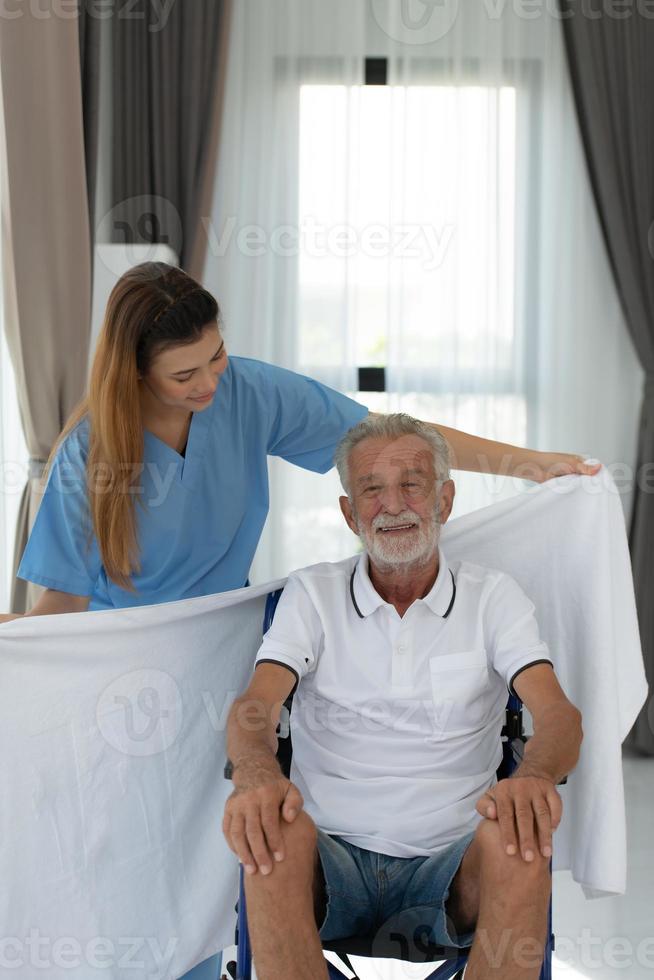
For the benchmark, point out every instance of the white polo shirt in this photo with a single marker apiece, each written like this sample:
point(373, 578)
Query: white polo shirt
point(396, 721)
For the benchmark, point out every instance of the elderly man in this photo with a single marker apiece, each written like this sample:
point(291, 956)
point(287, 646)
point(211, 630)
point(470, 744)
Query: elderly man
point(400, 663)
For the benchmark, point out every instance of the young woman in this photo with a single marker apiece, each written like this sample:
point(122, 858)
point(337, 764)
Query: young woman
point(157, 487)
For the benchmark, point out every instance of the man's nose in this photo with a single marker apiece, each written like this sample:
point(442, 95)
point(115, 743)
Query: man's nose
point(392, 500)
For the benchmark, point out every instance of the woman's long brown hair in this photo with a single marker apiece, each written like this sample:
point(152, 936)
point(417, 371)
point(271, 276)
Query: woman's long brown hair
point(153, 306)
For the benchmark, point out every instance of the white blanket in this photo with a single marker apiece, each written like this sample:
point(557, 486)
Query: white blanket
point(565, 543)
point(112, 727)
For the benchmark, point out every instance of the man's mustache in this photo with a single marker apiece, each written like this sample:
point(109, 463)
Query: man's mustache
point(397, 520)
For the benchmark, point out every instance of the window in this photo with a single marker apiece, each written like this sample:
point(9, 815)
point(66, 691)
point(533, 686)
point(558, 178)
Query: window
point(410, 230)
point(413, 204)
point(416, 201)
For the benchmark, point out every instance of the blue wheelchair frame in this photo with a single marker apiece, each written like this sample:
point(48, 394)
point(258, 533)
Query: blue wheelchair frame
point(397, 946)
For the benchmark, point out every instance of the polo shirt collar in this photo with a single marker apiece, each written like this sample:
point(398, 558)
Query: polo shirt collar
point(365, 598)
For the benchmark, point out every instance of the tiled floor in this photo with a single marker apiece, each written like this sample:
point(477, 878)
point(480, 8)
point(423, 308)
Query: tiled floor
point(605, 939)
point(614, 937)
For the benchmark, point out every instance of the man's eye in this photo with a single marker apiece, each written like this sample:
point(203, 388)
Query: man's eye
point(371, 490)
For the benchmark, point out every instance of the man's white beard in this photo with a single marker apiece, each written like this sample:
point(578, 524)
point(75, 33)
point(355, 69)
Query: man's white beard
point(393, 551)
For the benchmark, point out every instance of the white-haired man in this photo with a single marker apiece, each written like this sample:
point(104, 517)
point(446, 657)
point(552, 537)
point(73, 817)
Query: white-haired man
point(400, 664)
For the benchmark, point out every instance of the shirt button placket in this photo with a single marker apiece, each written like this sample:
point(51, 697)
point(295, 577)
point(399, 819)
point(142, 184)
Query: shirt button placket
point(402, 660)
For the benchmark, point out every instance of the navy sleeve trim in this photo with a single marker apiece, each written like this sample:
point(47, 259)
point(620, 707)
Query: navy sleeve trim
point(280, 664)
point(526, 667)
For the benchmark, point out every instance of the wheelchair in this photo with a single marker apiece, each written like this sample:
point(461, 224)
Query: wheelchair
point(395, 945)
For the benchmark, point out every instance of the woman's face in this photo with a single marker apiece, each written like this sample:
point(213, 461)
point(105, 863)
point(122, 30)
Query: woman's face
point(186, 376)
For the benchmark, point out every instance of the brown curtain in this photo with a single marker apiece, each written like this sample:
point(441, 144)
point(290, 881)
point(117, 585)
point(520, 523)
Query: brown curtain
point(46, 248)
point(168, 82)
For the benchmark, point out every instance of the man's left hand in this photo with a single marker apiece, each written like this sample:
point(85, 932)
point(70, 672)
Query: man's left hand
point(528, 809)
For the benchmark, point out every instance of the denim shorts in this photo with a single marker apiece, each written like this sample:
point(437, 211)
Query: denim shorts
point(397, 900)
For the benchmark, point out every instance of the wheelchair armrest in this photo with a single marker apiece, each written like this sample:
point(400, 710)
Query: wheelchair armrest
point(517, 747)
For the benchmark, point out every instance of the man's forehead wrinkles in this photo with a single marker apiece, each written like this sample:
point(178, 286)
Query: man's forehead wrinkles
point(401, 472)
point(412, 463)
point(409, 454)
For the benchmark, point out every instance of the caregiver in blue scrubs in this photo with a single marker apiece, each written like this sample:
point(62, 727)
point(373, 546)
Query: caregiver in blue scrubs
point(157, 489)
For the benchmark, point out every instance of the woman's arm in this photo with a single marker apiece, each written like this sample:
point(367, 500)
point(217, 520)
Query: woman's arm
point(51, 603)
point(468, 452)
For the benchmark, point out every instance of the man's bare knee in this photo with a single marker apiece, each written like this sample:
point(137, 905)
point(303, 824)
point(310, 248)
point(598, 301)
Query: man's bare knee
point(301, 835)
point(299, 838)
point(495, 862)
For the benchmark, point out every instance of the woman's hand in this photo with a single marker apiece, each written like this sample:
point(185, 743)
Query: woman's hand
point(7, 617)
point(551, 465)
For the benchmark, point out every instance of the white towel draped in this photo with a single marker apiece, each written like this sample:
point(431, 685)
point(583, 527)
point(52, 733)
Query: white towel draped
point(565, 543)
point(112, 726)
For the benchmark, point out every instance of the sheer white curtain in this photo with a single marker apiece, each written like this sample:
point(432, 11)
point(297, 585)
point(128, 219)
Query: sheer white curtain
point(440, 226)
point(13, 451)
point(13, 468)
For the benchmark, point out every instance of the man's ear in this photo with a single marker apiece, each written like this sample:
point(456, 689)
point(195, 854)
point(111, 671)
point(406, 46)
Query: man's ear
point(346, 510)
point(446, 501)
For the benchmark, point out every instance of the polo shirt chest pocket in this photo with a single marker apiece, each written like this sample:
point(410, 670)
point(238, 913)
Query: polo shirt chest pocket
point(460, 688)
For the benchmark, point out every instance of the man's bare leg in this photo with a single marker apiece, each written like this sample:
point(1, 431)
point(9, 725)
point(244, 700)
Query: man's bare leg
point(507, 897)
point(280, 910)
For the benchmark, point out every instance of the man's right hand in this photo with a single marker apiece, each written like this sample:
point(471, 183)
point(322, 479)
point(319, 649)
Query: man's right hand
point(252, 813)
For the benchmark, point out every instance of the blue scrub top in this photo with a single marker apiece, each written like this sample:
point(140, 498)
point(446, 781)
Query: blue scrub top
point(205, 511)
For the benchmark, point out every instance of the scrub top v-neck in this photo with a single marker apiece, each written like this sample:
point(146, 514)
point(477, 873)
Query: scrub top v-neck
point(199, 516)
point(184, 461)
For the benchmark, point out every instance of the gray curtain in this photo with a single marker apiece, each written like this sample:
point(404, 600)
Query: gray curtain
point(89, 58)
point(46, 248)
point(611, 60)
point(168, 77)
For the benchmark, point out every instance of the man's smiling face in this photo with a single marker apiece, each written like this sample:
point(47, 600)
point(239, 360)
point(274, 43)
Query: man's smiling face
point(396, 503)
